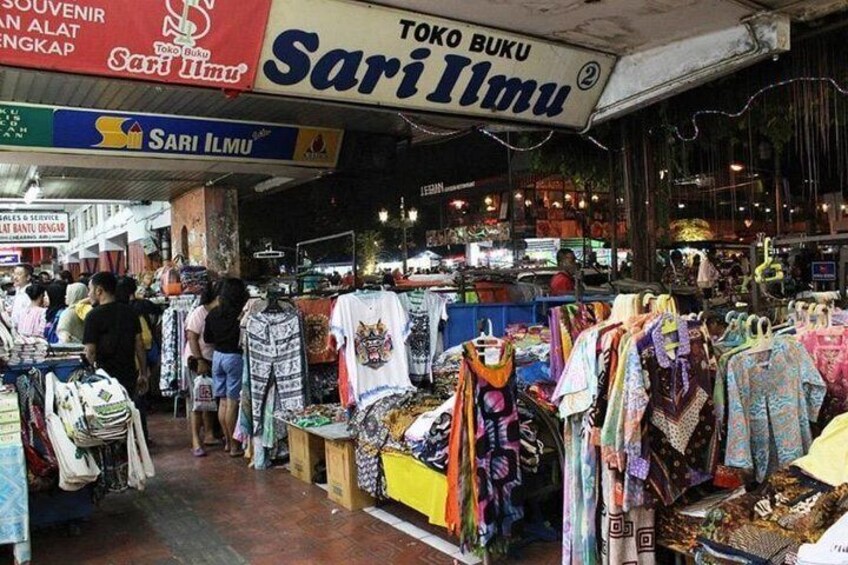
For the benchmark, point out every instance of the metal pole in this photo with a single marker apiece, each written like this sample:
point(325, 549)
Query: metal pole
point(403, 231)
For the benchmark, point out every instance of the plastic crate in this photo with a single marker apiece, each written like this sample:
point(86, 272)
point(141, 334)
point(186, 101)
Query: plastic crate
point(462, 324)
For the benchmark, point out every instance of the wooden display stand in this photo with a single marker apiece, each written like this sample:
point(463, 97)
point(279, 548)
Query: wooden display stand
point(333, 445)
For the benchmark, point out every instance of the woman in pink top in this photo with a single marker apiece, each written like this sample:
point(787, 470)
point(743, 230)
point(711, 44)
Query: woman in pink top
point(34, 317)
point(196, 348)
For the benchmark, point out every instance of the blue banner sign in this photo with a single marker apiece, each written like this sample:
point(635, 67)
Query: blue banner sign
point(150, 135)
point(824, 271)
point(9, 259)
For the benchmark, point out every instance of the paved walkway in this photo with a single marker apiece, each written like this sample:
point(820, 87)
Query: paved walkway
point(214, 510)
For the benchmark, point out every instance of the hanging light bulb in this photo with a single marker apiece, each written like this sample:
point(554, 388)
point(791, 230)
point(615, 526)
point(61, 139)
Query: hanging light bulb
point(518, 195)
point(768, 210)
point(749, 222)
point(557, 204)
point(595, 198)
point(568, 196)
point(488, 201)
point(681, 205)
point(825, 207)
point(737, 167)
point(581, 204)
point(528, 203)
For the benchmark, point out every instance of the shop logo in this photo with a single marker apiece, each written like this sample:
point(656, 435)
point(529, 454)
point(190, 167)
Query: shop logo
point(189, 22)
point(184, 25)
point(113, 135)
point(317, 150)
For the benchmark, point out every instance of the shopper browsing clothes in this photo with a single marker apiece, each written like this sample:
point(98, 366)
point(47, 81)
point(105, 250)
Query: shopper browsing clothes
point(112, 336)
point(708, 274)
point(197, 351)
point(222, 331)
point(33, 318)
point(21, 278)
point(71, 325)
point(56, 306)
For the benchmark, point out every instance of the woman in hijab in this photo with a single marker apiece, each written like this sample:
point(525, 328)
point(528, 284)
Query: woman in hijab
point(70, 327)
point(56, 306)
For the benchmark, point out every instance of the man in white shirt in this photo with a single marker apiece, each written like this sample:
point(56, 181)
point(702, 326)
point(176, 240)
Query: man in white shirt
point(21, 278)
point(708, 275)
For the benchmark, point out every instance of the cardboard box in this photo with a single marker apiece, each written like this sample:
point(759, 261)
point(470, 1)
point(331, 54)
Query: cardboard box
point(341, 476)
point(305, 452)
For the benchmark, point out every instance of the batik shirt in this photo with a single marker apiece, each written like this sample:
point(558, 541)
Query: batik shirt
point(680, 449)
point(772, 397)
point(829, 348)
point(425, 310)
point(372, 329)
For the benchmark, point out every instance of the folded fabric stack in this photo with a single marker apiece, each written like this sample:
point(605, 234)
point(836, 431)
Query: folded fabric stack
point(316, 415)
point(28, 351)
point(429, 435)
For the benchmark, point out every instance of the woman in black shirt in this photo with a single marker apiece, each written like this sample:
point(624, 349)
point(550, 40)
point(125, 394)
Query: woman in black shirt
point(223, 332)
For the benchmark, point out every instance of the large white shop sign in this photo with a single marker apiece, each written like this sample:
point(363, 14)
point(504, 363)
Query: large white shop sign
point(367, 54)
point(34, 227)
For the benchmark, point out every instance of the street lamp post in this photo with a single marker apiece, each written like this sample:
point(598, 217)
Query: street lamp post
point(403, 223)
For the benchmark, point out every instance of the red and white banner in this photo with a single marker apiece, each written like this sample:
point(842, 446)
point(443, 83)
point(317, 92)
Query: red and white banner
point(34, 227)
point(213, 43)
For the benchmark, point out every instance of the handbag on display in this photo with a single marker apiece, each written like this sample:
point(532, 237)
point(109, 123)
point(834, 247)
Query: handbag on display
point(170, 281)
point(77, 466)
point(202, 394)
point(95, 409)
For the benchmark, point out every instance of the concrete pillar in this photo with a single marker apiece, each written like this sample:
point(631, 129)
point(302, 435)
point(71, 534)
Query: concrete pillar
point(204, 229)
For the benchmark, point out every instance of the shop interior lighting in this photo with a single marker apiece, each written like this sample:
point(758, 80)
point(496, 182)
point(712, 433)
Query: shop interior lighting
point(595, 198)
point(384, 216)
point(741, 208)
point(557, 204)
point(737, 167)
point(825, 207)
point(749, 222)
point(488, 201)
point(756, 204)
point(569, 197)
point(768, 210)
point(518, 195)
point(681, 205)
point(528, 203)
point(490, 208)
point(458, 204)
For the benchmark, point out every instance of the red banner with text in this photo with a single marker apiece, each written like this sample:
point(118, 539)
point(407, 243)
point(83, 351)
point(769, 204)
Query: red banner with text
point(212, 43)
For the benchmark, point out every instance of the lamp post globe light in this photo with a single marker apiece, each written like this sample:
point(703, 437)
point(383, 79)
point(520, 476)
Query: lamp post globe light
point(405, 221)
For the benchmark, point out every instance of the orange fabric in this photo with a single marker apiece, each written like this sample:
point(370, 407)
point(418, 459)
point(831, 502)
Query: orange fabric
point(452, 510)
point(344, 386)
point(491, 293)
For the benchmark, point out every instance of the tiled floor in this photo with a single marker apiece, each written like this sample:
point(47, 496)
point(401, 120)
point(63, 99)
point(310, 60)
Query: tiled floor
point(216, 510)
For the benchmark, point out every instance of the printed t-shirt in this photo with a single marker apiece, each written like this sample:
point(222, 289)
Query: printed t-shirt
point(371, 327)
point(316, 322)
point(425, 310)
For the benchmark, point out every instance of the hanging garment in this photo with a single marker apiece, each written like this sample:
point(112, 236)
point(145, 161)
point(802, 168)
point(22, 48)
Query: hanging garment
point(829, 349)
point(14, 499)
point(372, 329)
point(771, 399)
point(484, 466)
point(827, 460)
point(275, 345)
point(174, 376)
point(681, 449)
point(424, 310)
point(316, 322)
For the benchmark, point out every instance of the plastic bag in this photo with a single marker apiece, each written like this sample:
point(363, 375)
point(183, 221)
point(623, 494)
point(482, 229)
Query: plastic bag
point(203, 396)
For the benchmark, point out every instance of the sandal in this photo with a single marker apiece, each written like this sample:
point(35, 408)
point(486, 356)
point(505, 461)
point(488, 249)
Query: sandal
point(235, 454)
point(198, 452)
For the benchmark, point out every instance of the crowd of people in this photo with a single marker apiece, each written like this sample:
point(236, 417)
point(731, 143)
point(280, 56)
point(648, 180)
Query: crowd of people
point(117, 325)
